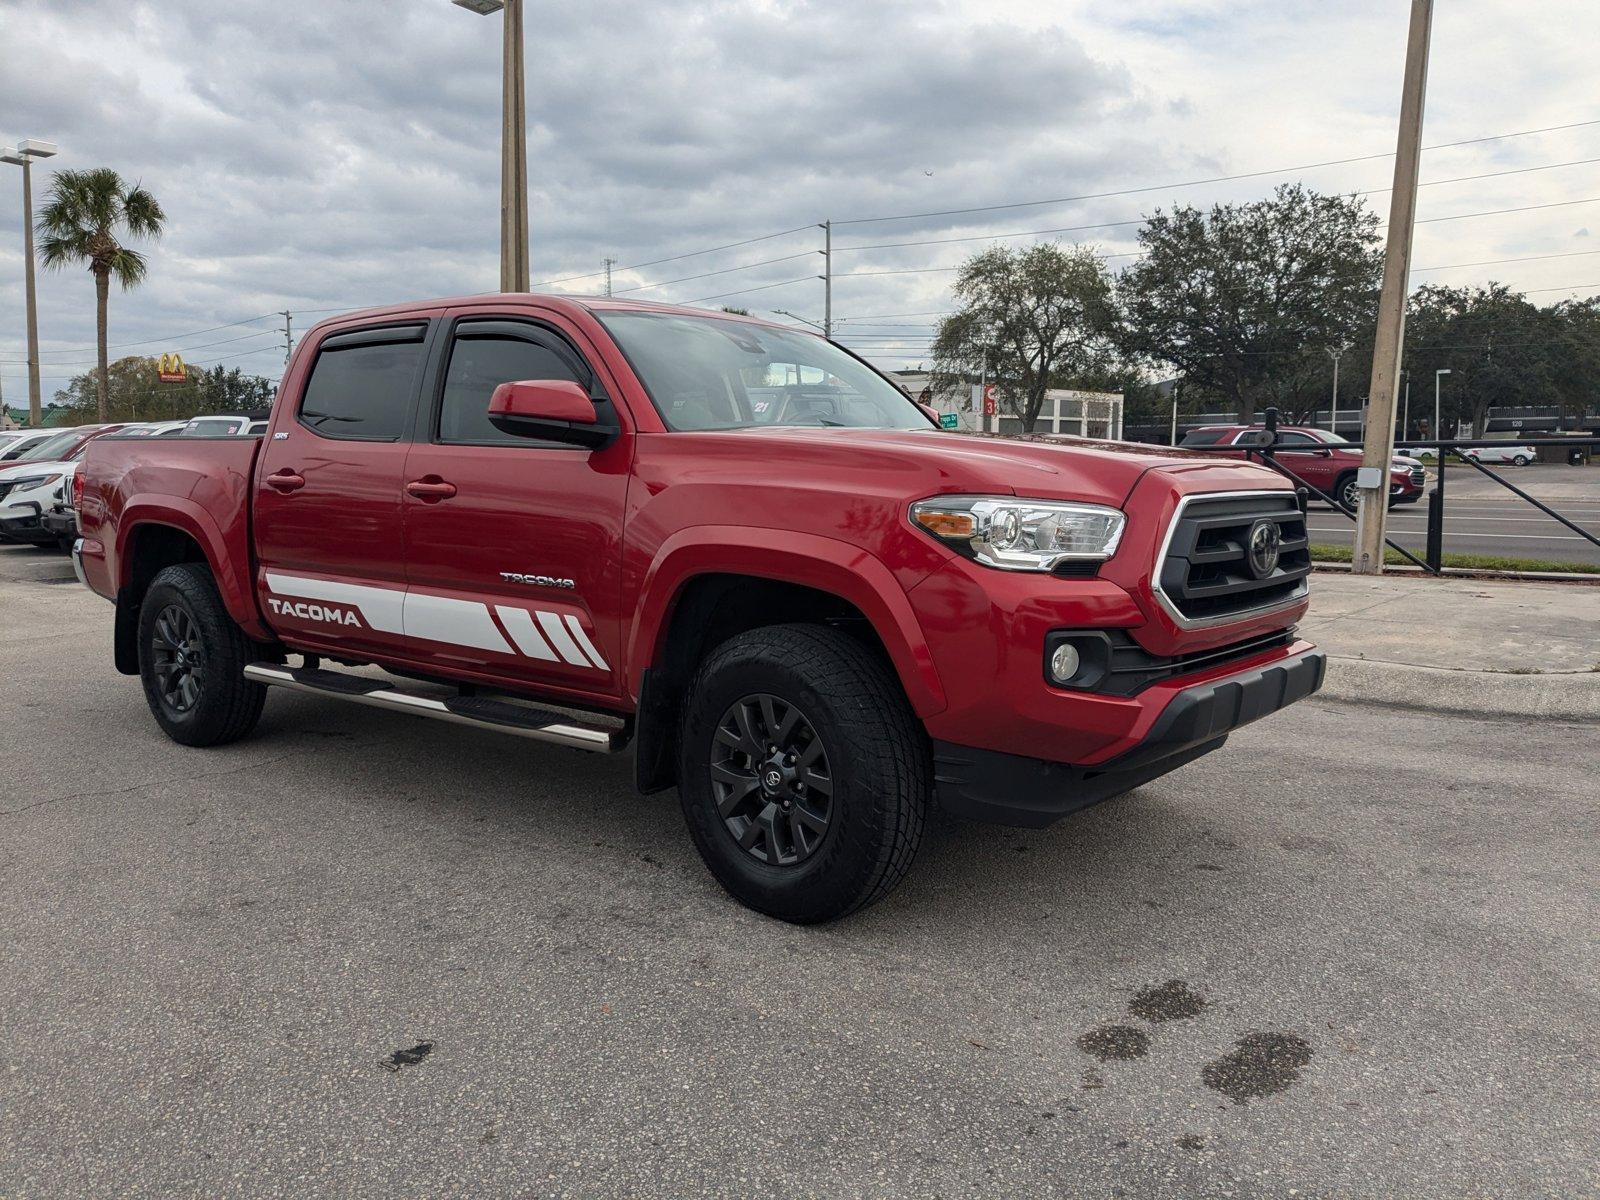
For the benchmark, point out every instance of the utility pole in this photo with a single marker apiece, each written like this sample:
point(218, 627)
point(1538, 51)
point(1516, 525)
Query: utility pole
point(827, 279)
point(1405, 413)
point(1174, 412)
point(1372, 480)
point(288, 340)
point(26, 151)
point(513, 144)
point(1438, 427)
point(609, 263)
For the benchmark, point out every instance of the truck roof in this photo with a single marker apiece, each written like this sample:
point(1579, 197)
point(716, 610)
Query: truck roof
point(561, 303)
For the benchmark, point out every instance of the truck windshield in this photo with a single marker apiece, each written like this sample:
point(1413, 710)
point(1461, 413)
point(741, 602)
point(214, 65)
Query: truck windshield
point(712, 373)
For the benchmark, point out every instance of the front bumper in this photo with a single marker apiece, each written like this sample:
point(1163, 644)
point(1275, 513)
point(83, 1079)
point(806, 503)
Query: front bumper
point(1009, 789)
point(23, 525)
point(60, 523)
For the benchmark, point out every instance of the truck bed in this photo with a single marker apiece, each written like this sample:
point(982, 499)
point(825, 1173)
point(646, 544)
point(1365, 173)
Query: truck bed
point(199, 485)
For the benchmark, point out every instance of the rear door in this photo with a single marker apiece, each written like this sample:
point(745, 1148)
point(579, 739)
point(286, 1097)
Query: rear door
point(329, 542)
point(514, 546)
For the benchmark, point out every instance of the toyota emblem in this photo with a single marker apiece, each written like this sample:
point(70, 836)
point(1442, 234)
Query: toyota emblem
point(1266, 543)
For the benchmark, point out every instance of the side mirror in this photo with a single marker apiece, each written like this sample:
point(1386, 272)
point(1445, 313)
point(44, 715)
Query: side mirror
point(557, 410)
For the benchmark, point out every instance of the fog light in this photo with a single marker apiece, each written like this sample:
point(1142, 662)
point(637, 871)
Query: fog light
point(1064, 662)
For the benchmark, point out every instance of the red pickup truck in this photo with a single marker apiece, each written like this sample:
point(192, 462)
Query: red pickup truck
point(734, 547)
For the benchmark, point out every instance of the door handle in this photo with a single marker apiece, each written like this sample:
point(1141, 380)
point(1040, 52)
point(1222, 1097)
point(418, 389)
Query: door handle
point(286, 480)
point(430, 488)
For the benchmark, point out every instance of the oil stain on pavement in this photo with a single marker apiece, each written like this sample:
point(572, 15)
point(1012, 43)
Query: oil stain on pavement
point(406, 1058)
point(1169, 1001)
point(1120, 1042)
point(1260, 1064)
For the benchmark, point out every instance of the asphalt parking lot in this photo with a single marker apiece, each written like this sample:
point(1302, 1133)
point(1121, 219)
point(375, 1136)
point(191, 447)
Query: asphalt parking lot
point(1481, 517)
point(1351, 954)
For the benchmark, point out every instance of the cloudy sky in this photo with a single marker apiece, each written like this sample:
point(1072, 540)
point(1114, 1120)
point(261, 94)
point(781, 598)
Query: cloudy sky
point(345, 154)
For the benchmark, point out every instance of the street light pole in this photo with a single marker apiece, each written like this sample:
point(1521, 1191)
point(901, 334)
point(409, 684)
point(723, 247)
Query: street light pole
point(1405, 417)
point(1333, 413)
point(27, 150)
point(1372, 480)
point(513, 145)
point(1437, 427)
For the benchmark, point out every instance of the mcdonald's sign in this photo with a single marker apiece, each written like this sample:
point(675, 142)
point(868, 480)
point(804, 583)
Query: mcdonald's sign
point(170, 369)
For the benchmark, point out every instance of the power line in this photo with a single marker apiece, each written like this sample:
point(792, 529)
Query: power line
point(1494, 262)
point(1335, 162)
point(90, 362)
point(655, 262)
point(764, 287)
point(169, 337)
point(724, 271)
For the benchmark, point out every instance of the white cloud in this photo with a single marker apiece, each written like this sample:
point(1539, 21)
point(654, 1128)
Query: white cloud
point(333, 156)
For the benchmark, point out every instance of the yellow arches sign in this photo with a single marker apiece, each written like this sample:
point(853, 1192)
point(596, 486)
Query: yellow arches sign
point(170, 369)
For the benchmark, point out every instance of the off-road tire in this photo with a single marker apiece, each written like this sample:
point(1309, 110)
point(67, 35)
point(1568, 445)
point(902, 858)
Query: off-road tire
point(227, 705)
point(878, 754)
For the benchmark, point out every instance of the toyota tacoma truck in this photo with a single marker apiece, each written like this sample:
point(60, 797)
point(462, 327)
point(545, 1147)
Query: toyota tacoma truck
point(733, 548)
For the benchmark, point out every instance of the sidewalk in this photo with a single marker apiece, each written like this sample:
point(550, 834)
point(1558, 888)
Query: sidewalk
point(1459, 645)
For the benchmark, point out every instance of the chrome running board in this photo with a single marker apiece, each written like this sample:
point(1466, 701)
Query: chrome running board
point(501, 716)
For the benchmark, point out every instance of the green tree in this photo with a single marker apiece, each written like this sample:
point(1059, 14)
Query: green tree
point(1497, 346)
point(134, 392)
point(84, 216)
point(1040, 316)
point(1246, 301)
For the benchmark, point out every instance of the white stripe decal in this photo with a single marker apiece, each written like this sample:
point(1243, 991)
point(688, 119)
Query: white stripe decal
point(582, 639)
point(455, 622)
point(381, 608)
point(557, 633)
point(519, 624)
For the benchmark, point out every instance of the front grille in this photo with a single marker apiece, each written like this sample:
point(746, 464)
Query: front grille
point(1418, 476)
point(1206, 575)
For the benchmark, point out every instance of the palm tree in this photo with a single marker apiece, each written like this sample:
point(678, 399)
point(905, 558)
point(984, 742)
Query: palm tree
point(79, 224)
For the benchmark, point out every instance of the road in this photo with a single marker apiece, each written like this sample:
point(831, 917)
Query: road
point(361, 954)
point(1483, 518)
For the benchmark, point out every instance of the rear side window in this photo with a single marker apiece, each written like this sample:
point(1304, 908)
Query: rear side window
point(1203, 437)
point(363, 384)
point(478, 365)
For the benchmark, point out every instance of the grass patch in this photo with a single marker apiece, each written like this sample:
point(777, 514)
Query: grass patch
point(1468, 562)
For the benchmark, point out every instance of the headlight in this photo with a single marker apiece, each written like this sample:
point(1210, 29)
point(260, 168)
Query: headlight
point(1021, 535)
point(31, 481)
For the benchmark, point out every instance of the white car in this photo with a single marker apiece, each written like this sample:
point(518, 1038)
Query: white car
point(1519, 456)
point(28, 492)
point(19, 442)
point(156, 429)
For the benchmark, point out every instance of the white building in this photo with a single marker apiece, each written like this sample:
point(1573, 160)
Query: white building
point(1066, 411)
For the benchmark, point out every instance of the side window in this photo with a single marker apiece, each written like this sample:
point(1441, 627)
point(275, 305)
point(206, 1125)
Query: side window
point(363, 384)
point(1297, 439)
point(1203, 437)
point(479, 363)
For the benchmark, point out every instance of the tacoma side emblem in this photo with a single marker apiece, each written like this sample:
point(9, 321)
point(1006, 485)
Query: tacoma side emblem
point(537, 580)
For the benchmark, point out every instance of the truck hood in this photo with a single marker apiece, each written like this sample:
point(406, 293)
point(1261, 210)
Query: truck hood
point(1050, 468)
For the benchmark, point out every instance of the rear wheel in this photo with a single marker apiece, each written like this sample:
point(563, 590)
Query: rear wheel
point(804, 775)
point(192, 659)
point(1521, 460)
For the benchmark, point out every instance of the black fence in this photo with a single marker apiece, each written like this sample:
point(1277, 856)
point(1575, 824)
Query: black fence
point(1432, 561)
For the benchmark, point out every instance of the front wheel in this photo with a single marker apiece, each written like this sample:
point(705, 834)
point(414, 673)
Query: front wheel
point(803, 773)
point(1521, 460)
point(192, 659)
point(1348, 494)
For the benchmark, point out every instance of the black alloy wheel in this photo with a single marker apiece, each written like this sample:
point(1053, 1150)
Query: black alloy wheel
point(771, 780)
point(178, 658)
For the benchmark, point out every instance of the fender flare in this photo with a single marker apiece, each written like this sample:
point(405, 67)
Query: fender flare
point(177, 512)
point(804, 559)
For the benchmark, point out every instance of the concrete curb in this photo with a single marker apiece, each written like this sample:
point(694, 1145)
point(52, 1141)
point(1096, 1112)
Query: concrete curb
point(1562, 696)
point(1584, 578)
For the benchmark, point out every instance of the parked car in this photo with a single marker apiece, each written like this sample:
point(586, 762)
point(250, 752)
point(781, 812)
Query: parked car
point(1519, 456)
point(156, 429)
point(60, 518)
point(27, 498)
point(224, 425)
point(815, 622)
point(1322, 459)
point(18, 443)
